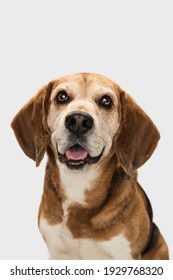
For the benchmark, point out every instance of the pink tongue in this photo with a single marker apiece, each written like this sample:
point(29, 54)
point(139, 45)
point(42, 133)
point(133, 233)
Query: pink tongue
point(76, 154)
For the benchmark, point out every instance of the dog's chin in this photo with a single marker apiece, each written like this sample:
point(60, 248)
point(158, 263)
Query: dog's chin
point(76, 157)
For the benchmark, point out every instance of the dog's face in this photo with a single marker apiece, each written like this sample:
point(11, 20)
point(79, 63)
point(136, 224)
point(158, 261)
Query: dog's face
point(85, 118)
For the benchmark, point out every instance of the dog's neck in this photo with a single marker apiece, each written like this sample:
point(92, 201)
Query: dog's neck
point(102, 199)
point(76, 184)
point(88, 188)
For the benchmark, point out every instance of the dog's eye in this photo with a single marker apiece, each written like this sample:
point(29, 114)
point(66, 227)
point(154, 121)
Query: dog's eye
point(106, 102)
point(61, 97)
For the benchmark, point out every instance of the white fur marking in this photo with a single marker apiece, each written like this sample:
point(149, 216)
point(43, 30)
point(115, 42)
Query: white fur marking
point(75, 183)
point(63, 246)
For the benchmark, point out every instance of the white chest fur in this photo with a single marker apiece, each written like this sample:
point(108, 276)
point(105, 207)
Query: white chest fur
point(60, 241)
point(63, 246)
point(75, 184)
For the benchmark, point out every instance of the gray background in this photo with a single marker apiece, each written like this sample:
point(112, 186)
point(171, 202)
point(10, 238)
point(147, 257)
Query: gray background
point(128, 41)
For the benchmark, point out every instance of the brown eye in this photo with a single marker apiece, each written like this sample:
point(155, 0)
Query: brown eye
point(61, 97)
point(106, 102)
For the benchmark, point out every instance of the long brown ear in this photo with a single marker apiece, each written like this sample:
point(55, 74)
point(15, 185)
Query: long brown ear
point(137, 137)
point(30, 125)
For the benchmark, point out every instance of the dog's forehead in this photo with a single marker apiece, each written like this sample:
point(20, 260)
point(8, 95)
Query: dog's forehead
point(85, 84)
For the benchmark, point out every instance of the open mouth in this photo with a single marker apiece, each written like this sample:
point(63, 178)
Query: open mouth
point(76, 157)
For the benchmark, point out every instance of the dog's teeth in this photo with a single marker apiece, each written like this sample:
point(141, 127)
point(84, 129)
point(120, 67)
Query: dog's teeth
point(76, 163)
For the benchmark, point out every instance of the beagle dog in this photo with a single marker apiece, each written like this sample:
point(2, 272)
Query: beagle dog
point(95, 137)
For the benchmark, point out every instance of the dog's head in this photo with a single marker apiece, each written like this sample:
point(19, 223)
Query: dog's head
point(84, 118)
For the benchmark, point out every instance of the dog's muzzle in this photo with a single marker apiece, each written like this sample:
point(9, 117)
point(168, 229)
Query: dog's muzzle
point(78, 123)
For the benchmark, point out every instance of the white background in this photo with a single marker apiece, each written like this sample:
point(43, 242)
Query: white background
point(128, 41)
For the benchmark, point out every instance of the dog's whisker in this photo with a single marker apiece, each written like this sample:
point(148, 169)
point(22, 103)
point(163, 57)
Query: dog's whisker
point(102, 139)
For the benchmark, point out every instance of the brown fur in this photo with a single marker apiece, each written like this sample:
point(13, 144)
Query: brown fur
point(115, 202)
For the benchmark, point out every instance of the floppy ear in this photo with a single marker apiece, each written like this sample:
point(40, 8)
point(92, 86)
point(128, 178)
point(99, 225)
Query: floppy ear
point(137, 137)
point(30, 125)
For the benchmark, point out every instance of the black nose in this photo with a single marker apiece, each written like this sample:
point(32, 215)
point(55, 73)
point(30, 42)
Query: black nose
point(78, 122)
